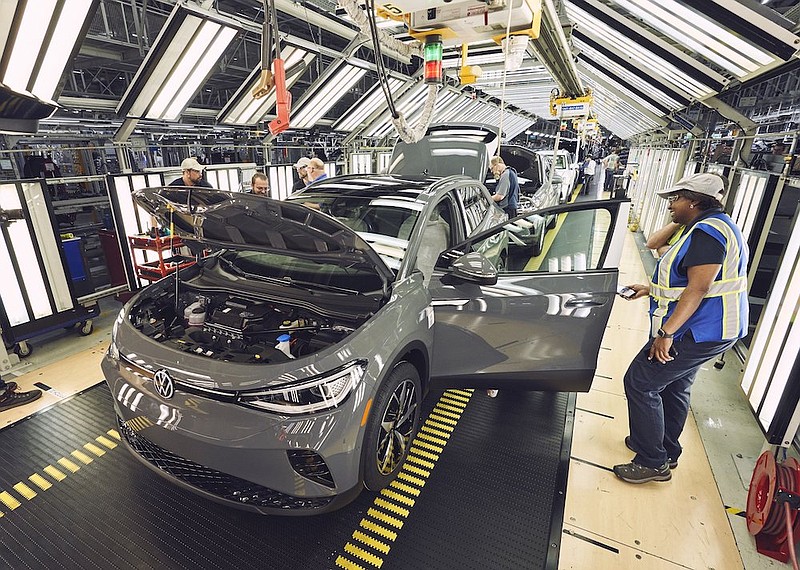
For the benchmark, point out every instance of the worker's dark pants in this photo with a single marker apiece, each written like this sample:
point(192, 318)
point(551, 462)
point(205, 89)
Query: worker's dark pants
point(658, 398)
point(609, 181)
point(587, 182)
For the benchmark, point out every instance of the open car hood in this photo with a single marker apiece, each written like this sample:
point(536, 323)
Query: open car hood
point(446, 150)
point(521, 159)
point(240, 221)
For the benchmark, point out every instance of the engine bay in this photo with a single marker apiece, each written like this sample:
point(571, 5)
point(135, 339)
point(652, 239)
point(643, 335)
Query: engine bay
point(236, 328)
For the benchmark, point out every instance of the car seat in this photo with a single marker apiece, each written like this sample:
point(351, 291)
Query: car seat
point(405, 228)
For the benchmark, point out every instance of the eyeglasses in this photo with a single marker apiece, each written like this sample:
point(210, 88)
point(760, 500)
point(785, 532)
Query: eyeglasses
point(673, 198)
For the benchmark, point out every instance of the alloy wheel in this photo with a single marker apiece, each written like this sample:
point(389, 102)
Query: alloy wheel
point(397, 427)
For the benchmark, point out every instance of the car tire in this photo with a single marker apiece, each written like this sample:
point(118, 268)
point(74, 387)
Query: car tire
point(551, 222)
point(391, 427)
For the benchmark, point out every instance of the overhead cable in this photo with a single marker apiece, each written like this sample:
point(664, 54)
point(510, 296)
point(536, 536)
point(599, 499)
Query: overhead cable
point(506, 47)
point(379, 37)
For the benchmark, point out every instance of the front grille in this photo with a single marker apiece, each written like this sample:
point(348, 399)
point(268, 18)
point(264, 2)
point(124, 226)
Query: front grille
point(215, 482)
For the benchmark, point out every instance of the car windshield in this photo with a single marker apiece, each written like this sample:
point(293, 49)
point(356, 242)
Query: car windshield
point(561, 162)
point(384, 222)
point(295, 271)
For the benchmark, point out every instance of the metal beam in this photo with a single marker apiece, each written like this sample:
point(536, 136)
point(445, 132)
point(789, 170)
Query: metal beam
point(555, 53)
point(99, 52)
point(333, 25)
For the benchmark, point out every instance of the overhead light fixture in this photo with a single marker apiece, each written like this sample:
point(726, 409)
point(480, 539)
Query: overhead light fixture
point(606, 64)
point(244, 109)
point(178, 64)
point(702, 34)
point(38, 39)
point(331, 87)
point(412, 99)
point(455, 109)
point(616, 34)
point(366, 106)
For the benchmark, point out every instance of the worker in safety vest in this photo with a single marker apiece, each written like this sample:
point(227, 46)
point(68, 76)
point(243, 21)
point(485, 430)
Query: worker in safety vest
point(698, 309)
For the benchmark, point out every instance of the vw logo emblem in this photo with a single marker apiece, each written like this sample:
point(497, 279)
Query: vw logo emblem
point(164, 384)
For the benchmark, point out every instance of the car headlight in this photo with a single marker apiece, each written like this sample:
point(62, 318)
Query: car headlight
point(309, 396)
point(113, 350)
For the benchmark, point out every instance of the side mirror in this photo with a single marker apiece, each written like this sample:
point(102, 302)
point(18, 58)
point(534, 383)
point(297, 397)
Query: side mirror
point(473, 267)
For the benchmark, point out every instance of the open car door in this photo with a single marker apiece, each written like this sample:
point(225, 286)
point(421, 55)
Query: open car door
point(537, 323)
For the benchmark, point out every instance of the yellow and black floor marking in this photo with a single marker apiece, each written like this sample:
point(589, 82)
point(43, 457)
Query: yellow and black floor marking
point(379, 529)
point(80, 457)
point(735, 512)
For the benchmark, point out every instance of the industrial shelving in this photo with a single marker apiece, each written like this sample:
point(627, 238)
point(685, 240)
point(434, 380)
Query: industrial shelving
point(162, 266)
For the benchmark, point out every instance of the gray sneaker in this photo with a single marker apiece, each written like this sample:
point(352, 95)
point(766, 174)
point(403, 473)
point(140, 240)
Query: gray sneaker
point(635, 473)
point(672, 463)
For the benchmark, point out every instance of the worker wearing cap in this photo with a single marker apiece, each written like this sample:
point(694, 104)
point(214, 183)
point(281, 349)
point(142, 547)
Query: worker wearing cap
point(192, 174)
point(698, 310)
point(301, 166)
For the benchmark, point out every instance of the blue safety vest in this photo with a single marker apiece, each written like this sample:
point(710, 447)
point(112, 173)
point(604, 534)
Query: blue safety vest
point(723, 312)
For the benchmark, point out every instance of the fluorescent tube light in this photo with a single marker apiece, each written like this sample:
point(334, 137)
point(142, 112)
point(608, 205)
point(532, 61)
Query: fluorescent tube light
point(367, 105)
point(38, 39)
point(336, 87)
point(180, 61)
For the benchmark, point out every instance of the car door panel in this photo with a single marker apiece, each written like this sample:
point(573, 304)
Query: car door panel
point(531, 330)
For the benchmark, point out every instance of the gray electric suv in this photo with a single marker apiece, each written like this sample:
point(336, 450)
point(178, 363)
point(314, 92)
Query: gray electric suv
point(284, 371)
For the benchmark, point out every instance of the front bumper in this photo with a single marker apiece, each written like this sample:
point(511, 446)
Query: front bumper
point(224, 488)
point(234, 454)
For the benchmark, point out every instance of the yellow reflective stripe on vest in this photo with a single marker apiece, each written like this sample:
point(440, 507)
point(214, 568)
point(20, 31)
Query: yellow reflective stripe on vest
point(729, 287)
point(717, 289)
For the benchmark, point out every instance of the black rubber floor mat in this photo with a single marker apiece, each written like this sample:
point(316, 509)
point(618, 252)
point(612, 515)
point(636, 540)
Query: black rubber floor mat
point(496, 498)
point(72, 497)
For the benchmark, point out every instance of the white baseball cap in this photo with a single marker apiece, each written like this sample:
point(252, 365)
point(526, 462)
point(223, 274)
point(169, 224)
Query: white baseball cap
point(302, 163)
point(704, 183)
point(192, 164)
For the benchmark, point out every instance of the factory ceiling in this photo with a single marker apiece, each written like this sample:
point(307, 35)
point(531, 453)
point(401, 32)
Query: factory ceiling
point(645, 61)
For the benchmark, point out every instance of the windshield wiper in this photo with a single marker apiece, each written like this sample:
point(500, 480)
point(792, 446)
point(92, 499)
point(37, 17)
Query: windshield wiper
point(310, 284)
point(287, 281)
point(233, 267)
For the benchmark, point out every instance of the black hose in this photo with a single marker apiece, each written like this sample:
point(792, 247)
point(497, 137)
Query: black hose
point(266, 38)
point(275, 36)
point(373, 29)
